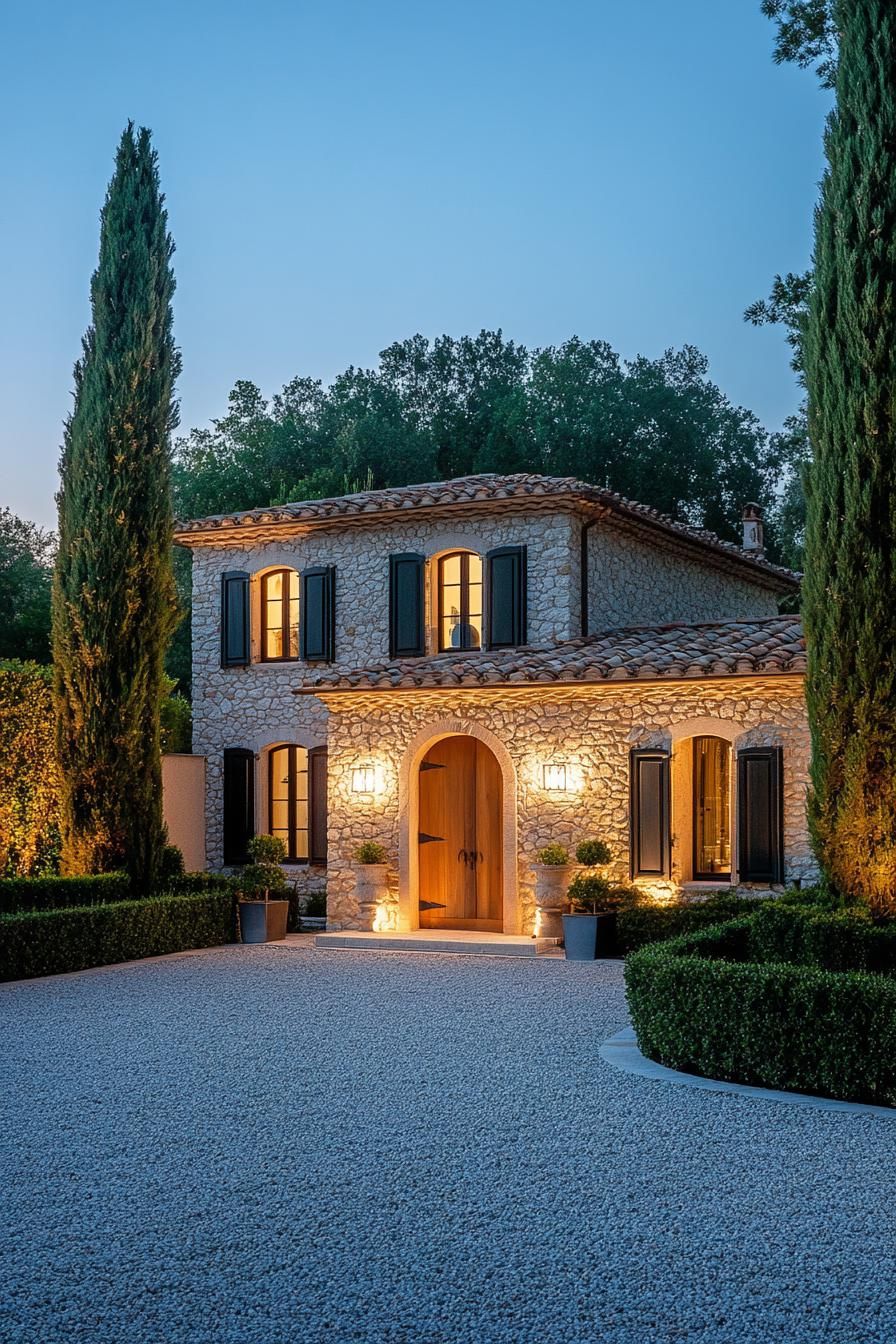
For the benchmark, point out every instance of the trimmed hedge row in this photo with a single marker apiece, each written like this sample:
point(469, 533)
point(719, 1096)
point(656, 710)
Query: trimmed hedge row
point(18, 895)
point(47, 942)
point(833, 941)
point(644, 924)
point(698, 1004)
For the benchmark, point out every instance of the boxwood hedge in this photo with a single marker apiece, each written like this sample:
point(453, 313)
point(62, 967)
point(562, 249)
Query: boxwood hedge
point(47, 942)
point(723, 1003)
point(21, 894)
point(648, 923)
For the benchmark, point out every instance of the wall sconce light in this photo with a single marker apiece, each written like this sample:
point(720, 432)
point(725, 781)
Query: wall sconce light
point(554, 777)
point(364, 779)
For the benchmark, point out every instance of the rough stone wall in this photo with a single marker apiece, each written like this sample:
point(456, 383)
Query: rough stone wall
point(632, 581)
point(253, 706)
point(591, 730)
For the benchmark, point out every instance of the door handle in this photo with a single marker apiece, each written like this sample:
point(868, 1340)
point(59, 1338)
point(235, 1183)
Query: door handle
point(462, 856)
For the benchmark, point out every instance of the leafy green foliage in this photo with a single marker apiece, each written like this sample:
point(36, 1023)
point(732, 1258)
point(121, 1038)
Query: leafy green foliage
point(175, 720)
point(698, 1004)
point(807, 35)
point(656, 430)
point(370, 851)
point(593, 853)
point(263, 875)
point(49, 942)
point(26, 572)
point(114, 606)
point(29, 777)
point(850, 349)
point(835, 941)
point(553, 856)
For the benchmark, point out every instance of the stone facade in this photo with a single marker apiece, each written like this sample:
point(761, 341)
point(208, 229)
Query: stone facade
point(253, 706)
point(590, 729)
point(634, 581)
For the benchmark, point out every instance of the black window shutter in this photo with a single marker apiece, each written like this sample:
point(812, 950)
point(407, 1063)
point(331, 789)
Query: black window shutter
point(318, 614)
point(239, 803)
point(317, 780)
point(760, 813)
point(406, 618)
point(506, 588)
point(234, 618)
point(649, 807)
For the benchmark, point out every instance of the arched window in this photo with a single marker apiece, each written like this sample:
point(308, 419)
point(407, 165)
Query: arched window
point(460, 601)
point(297, 801)
point(712, 809)
point(279, 615)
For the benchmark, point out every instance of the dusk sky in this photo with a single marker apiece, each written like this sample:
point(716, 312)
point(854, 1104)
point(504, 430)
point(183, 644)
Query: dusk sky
point(341, 175)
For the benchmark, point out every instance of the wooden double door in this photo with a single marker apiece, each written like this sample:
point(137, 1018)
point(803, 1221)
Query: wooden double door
point(460, 837)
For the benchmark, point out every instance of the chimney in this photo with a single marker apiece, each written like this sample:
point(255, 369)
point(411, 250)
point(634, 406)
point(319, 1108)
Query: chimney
point(752, 519)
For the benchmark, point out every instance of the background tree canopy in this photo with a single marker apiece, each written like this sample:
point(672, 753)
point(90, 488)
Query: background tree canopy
point(26, 571)
point(656, 430)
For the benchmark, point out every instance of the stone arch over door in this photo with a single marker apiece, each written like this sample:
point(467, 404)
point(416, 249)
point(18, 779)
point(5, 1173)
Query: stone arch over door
point(408, 819)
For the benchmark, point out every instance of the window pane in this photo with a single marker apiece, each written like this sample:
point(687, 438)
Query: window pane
point(274, 585)
point(475, 567)
point(474, 632)
point(279, 815)
point(293, 614)
point(451, 569)
point(712, 823)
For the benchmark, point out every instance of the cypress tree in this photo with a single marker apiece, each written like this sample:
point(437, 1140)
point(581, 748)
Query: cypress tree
point(849, 593)
point(114, 605)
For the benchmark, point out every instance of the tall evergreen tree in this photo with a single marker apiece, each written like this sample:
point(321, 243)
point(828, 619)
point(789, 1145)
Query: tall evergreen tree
point(850, 597)
point(114, 605)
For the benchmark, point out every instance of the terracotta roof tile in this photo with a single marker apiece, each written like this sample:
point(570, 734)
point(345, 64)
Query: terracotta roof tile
point(488, 488)
point(773, 646)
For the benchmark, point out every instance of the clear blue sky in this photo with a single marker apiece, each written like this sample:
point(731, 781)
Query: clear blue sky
point(343, 173)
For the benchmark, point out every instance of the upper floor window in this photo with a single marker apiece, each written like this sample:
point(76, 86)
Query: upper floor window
point(460, 601)
point(280, 615)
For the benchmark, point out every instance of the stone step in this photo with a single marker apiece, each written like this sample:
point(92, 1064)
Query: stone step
point(438, 940)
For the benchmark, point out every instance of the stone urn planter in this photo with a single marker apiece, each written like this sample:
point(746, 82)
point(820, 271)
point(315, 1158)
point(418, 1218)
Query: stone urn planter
point(371, 880)
point(552, 870)
point(551, 883)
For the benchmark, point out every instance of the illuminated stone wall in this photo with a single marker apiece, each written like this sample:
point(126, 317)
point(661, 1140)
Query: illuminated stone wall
point(632, 581)
point(591, 730)
point(254, 706)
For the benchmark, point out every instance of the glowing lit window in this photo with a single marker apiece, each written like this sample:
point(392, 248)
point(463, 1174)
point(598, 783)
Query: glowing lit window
point(460, 601)
point(280, 615)
point(288, 800)
point(712, 809)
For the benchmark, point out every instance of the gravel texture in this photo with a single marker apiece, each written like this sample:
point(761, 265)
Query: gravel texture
point(279, 1144)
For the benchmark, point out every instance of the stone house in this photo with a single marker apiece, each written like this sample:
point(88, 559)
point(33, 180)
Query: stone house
point(466, 671)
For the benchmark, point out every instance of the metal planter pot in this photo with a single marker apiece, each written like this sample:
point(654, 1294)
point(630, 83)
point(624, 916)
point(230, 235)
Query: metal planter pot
point(263, 922)
point(587, 937)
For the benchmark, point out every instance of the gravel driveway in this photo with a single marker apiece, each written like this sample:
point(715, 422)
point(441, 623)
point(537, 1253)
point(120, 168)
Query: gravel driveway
point(279, 1144)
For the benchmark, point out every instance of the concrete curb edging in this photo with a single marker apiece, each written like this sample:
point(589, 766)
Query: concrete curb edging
point(622, 1052)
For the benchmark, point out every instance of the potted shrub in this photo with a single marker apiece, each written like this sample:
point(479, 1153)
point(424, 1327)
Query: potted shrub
point(552, 868)
point(371, 877)
point(589, 930)
point(263, 920)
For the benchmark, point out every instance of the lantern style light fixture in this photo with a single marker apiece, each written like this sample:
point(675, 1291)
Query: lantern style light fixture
point(554, 777)
point(364, 779)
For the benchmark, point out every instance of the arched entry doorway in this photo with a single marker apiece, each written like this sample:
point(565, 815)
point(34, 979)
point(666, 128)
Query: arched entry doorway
point(460, 837)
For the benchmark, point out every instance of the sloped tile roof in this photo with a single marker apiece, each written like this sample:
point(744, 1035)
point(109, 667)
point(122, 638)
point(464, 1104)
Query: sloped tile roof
point(487, 490)
point(772, 646)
